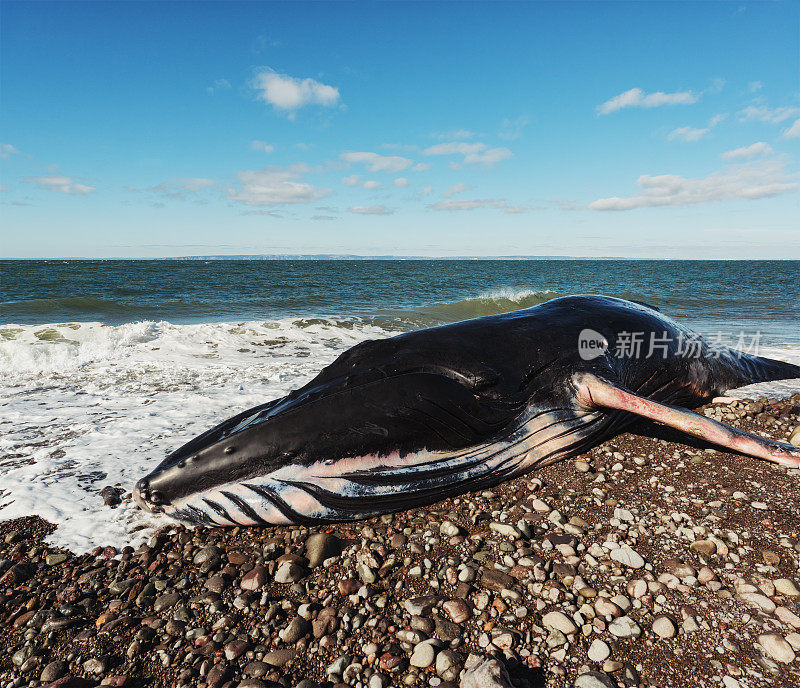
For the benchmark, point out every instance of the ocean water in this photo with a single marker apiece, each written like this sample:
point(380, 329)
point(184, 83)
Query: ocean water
point(107, 366)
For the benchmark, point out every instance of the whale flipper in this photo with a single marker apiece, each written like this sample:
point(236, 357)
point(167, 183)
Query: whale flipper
point(594, 392)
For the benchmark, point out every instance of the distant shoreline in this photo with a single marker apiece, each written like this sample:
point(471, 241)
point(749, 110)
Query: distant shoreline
point(356, 257)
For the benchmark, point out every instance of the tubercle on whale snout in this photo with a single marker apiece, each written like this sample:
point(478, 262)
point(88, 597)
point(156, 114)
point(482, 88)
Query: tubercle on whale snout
point(147, 499)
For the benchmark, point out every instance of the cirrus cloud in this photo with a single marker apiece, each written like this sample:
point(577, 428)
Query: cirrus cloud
point(477, 203)
point(636, 97)
point(7, 150)
point(751, 151)
point(763, 113)
point(65, 185)
point(376, 162)
point(792, 132)
point(473, 153)
point(371, 210)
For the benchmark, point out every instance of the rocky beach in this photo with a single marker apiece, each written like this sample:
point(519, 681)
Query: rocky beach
point(645, 562)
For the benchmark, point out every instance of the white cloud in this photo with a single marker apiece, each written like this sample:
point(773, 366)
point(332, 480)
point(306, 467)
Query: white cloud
point(762, 113)
point(262, 146)
point(66, 185)
point(7, 150)
point(512, 128)
point(427, 191)
point(488, 157)
point(376, 162)
point(457, 134)
point(470, 205)
point(751, 151)
point(401, 182)
point(754, 86)
point(456, 189)
point(474, 153)
point(453, 148)
point(636, 97)
point(355, 180)
point(515, 209)
point(687, 134)
point(286, 93)
point(371, 210)
point(421, 167)
point(219, 85)
point(695, 134)
point(180, 186)
point(753, 180)
point(792, 132)
point(274, 186)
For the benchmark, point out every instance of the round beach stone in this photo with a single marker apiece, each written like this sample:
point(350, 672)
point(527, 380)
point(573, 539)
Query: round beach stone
point(598, 651)
point(664, 627)
point(423, 655)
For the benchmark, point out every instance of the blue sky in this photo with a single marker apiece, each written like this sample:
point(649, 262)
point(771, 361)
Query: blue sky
point(640, 129)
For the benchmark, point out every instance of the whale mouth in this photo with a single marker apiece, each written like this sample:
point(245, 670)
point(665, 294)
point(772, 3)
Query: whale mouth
point(146, 499)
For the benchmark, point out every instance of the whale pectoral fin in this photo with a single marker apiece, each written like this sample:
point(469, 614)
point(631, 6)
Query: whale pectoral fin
point(594, 392)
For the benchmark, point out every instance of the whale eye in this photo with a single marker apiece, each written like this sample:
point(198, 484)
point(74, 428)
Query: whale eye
point(156, 498)
point(230, 450)
point(182, 463)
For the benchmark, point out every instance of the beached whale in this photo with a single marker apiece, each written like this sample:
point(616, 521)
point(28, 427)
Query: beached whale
point(407, 421)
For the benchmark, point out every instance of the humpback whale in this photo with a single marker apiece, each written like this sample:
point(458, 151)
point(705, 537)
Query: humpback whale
point(409, 420)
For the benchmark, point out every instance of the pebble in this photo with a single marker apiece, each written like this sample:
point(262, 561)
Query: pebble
point(594, 679)
point(322, 546)
point(423, 655)
point(280, 658)
point(488, 673)
point(54, 670)
point(776, 647)
point(254, 579)
point(624, 627)
point(560, 622)
point(705, 548)
point(296, 629)
point(421, 606)
point(664, 627)
point(786, 587)
point(458, 610)
point(448, 665)
point(628, 557)
point(289, 572)
point(598, 651)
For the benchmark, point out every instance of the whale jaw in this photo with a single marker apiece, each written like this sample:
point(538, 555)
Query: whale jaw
point(356, 488)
